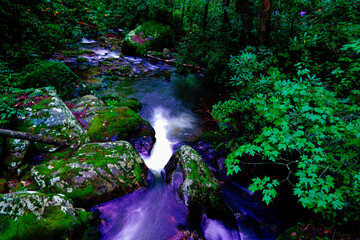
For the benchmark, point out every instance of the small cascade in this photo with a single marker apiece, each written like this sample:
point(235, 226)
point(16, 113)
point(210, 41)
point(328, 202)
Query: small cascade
point(87, 41)
point(162, 150)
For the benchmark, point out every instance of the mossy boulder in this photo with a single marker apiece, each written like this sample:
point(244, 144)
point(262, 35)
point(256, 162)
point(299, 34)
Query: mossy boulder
point(118, 101)
point(148, 36)
point(97, 172)
point(34, 215)
point(15, 154)
point(85, 108)
point(199, 187)
point(55, 74)
point(122, 123)
point(47, 114)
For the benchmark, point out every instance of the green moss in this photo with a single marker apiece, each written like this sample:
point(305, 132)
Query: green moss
point(138, 172)
point(55, 225)
point(52, 73)
point(68, 53)
point(124, 69)
point(80, 196)
point(82, 60)
point(119, 121)
point(117, 101)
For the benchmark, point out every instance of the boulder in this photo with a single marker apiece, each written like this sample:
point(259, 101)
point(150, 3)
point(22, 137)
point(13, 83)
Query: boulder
point(122, 123)
point(34, 215)
point(107, 122)
point(85, 108)
point(167, 54)
point(47, 114)
point(14, 159)
point(199, 187)
point(148, 36)
point(97, 172)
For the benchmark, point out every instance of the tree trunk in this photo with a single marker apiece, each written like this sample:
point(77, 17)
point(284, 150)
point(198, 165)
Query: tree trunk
point(226, 20)
point(265, 23)
point(34, 137)
point(242, 6)
point(206, 11)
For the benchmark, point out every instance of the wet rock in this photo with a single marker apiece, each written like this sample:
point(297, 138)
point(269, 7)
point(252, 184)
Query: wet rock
point(215, 159)
point(199, 187)
point(85, 108)
point(34, 215)
point(148, 36)
point(47, 114)
point(118, 101)
point(167, 54)
point(14, 159)
point(96, 173)
point(122, 123)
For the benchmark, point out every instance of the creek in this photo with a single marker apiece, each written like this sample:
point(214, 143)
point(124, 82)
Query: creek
point(156, 212)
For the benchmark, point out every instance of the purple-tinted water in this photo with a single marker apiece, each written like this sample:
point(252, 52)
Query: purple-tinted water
point(147, 214)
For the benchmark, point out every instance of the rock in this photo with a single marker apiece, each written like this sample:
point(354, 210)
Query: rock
point(85, 108)
point(167, 54)
point(109, 123)
point(148, 36)
point(14, 159)
point(34, 215)
point(199, 187)
point(96, 173)
point(115, 100)
point(47, 114)
point(122, 123)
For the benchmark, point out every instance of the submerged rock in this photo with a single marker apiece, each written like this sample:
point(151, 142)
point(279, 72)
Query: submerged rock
point(96, 173)
point(47, 114)
point(34, 215)
point(199, 187)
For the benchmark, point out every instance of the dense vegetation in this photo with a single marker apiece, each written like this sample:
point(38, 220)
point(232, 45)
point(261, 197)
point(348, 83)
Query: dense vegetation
point(291, 69)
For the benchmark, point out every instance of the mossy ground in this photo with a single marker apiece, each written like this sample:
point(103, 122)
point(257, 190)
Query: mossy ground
point(55, 225)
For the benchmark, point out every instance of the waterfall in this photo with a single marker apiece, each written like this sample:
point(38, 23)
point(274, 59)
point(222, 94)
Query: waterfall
point(155, 212)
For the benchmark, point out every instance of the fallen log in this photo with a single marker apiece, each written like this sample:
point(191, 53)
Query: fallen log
point(170, 61)
point(85, 24)
point(34, 137)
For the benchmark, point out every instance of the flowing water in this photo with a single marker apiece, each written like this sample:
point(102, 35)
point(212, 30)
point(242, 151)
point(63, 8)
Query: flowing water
point(156, 212)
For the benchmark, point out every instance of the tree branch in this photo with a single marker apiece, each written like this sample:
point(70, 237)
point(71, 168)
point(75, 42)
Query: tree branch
point(34, 137)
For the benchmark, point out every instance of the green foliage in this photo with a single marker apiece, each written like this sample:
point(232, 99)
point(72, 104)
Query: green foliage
point(132, 103)
point(32, 30)
point(302, 126)
point(52, 73)
point(55, 225)
point(129, 14)
point(8, 91)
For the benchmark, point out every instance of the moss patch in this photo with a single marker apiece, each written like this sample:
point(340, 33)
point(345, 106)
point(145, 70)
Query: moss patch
point(53, 73)
point(114, 123)
point(117, 101)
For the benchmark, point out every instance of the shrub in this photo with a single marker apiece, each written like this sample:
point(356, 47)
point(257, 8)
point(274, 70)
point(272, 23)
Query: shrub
point(53, 73)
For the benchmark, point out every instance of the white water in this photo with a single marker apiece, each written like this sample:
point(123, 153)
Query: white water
point(165, 127)
point(87, 41)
